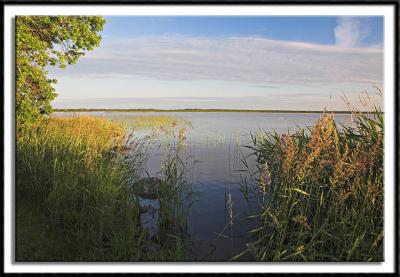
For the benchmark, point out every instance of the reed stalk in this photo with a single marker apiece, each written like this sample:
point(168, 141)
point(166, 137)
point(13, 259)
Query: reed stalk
point(321, 192)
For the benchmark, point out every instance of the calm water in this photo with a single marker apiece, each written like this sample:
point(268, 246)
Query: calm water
point(213, 149)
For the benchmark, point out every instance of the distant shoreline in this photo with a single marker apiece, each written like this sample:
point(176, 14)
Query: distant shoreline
point(202, 110)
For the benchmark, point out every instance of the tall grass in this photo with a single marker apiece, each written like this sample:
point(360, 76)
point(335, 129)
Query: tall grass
point(150, 121)
point(73, 201)
point(76, 197)
point(320, 192)
point(175, 197)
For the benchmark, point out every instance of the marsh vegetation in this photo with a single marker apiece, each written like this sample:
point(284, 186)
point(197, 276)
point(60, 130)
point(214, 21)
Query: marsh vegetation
point(76, 178)
point(320, 193)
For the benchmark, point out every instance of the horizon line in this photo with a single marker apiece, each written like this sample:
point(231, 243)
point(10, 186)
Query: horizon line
point(207, 110)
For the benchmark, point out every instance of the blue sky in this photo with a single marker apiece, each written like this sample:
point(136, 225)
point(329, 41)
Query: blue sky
point(226, 62)
point(294, 28)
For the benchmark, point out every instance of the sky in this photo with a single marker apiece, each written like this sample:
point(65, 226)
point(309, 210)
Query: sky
point(232, 62)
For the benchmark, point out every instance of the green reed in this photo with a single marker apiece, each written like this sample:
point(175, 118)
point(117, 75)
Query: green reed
point(175, 197)
point(151, 121)
point(320, 192)
point(73, 201)
point(74, 194)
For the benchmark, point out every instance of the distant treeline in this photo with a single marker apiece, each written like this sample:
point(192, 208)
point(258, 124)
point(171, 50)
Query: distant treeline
point(199, 110)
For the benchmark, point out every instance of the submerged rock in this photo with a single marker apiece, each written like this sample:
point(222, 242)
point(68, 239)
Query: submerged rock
point(148, 193)
point(149, 187)
point(149, 215)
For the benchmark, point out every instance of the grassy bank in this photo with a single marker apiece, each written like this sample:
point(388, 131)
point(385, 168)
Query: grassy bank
point(72, 195)
point(321, 193)
point(74, 198)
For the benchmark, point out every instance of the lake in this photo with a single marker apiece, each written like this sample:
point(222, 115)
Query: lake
point(213, 149)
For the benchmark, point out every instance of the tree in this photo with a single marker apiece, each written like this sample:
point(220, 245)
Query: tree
point(43, 41)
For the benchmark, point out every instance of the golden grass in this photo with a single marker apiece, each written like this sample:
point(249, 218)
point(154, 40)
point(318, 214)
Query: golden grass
point(321, 192)
point(73, 198)
point(151, 121)
point(94, 135)
point(98, 132)
point(74, 189)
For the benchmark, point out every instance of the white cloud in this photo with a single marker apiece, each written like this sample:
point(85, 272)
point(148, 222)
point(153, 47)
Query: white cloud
point(350, 31)
point(244, 59)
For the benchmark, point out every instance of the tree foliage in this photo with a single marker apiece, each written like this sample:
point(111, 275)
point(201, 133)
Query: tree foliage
point(43, 41)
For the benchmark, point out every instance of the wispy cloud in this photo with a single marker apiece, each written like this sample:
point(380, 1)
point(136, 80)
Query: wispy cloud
point(350, 31)
point(245, 59)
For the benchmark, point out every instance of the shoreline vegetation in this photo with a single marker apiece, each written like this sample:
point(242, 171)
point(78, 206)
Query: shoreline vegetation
point(150, 121)
point(76, 195)
point(321, 194)
point(207, 110)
